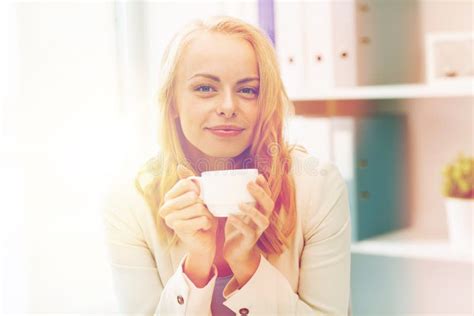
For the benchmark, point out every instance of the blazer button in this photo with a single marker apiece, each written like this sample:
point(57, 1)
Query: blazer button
point(244, 311)
point(180, 300)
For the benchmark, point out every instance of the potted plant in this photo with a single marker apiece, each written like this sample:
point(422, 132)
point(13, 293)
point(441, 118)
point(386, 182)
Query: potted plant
point(458, 189)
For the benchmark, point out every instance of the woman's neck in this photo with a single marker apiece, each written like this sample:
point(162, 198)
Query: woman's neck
point(202, 162)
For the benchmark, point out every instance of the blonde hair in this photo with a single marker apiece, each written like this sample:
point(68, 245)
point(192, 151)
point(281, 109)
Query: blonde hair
point(269, 152)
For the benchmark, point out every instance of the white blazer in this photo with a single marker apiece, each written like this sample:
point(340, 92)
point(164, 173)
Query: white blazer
point(311, 278)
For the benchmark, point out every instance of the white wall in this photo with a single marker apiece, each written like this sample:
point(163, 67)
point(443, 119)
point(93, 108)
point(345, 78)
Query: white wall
point(80, 111)
point(61, 132)
point(439, 128)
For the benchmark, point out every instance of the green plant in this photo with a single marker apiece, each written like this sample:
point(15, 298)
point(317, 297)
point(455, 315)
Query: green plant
point(459, 178)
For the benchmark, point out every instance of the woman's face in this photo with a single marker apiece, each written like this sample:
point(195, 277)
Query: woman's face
point(216, 90)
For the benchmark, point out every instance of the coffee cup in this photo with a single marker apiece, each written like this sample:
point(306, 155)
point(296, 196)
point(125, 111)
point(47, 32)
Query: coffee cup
point(223, 190)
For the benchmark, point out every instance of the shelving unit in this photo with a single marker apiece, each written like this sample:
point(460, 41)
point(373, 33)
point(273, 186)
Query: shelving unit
point(411, 243)
point(408, 271)
point(398, 91)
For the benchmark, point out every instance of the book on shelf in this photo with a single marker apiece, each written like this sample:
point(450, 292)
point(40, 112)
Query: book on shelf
point(370, 153)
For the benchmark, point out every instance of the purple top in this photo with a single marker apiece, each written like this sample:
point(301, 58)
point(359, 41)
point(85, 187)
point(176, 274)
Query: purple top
point(217, 308)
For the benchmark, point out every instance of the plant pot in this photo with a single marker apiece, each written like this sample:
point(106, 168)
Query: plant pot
point(460, 223)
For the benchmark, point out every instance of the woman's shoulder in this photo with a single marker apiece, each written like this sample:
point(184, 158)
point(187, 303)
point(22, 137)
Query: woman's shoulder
point(123, 197)
point(318, 184)
point(307, 167)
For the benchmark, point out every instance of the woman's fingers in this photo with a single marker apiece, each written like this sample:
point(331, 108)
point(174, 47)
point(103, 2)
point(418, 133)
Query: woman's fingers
point(264, 184)
point(260, 220)
point(192, 225)
point(178, 203)
point(263, 199)
point(181, 187)
point(241, 226)
point(196, 210)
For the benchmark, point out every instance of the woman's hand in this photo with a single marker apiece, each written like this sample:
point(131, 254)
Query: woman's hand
point(243, 231)
point(185, 213)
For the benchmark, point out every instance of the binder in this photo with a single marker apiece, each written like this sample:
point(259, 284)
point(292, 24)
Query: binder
point(289, 43)
point(330, 44)
point(344, 45)
point(314, 133)
point(371, 155)
point(319, 57)
point(379, 42)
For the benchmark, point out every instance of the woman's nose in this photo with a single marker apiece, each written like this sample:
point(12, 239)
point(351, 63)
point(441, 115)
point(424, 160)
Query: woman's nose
point(228, 106)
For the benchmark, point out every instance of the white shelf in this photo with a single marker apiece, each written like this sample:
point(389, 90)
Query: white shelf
point(411, 243)
point(463, 88)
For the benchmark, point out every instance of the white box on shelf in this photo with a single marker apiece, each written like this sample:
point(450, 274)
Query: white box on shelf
point(449, 57)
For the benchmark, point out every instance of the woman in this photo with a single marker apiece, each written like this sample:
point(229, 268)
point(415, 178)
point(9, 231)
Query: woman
point(288, 255)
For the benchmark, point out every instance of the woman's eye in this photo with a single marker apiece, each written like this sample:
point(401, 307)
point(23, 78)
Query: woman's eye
point(207, 89)
point(204, 89)
point(250, 91)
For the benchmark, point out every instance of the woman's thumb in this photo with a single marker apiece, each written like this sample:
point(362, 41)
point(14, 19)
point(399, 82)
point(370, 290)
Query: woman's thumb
point(184, 172)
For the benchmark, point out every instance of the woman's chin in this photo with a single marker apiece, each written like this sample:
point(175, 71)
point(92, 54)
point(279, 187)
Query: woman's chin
point(224, 153)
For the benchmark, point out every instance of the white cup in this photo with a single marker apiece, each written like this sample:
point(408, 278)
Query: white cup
point(223, 190)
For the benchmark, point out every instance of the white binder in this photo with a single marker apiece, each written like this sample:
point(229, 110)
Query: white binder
point(326, 138)
point(330, 38)
point(289, 41)
point(343, 145)
point(314, 133)
point(344, 43)
point(319, 57)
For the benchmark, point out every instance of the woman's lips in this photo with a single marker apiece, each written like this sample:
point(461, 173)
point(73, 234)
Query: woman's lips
point(225, 133)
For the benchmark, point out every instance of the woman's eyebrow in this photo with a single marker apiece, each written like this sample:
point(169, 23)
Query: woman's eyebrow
point(212, 77)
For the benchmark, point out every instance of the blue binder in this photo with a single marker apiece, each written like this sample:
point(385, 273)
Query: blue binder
point(375, 168)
